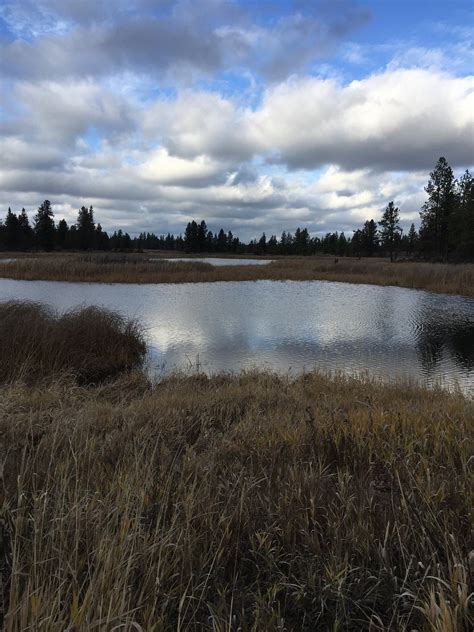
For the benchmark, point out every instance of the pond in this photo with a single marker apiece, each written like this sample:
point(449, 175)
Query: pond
point(216, 261)
point(286, 326)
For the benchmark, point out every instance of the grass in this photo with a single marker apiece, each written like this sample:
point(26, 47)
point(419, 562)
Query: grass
point(249, 502)
point(438, 277)
point(89, 343)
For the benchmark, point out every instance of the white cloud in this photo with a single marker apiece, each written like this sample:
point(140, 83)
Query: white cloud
point(90, 116)
point(401, 119)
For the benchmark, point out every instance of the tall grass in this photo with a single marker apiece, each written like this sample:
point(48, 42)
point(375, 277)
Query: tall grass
point(89, 343)
point(249, 502)
point(450, 278)
point(252, 502)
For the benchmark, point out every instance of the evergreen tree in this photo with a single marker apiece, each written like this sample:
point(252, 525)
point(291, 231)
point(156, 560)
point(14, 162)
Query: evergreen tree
point(369, 237)
point(437, 211)
point(201, 236)
point(301, 241)
point(390, 228)
point(191, 237)
point(221, 241)
point(26, 232)
point(262, 244)
point(86, 228)
point(412, 240)
point(462, 226)
point(62, 234)
point(44, 226)
point(12, 231)
point(272, 245)
point(102, 238)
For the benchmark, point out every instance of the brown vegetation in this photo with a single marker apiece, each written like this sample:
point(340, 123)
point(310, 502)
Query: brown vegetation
point(236, 503)
point(89, 343)
point(439, 277)
point(248, 502)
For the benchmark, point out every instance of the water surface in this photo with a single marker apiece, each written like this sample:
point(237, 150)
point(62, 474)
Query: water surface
point(216, 261)
point(287, 325)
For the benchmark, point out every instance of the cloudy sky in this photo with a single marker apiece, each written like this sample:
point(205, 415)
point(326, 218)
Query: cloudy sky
point(252, 115)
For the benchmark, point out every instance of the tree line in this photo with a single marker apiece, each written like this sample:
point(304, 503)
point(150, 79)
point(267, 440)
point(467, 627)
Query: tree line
point(446, 231)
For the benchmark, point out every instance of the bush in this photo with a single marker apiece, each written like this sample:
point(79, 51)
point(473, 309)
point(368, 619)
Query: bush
point(89, 343)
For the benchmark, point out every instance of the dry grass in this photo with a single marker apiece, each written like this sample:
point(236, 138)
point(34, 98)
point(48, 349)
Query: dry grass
point(89, 343)
point(449, 278)
point(252, 503)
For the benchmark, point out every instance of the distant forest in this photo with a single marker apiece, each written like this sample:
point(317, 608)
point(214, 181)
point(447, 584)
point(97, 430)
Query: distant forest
point(446, 231)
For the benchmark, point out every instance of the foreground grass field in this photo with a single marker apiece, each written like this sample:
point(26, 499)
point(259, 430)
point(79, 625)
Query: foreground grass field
point(236, 503)
point(249, 502)
point(438, 277)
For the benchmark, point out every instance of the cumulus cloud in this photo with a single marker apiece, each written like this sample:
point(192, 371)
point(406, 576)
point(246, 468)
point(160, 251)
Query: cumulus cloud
point(144, 110)
point(397, 119)
point(391, 120)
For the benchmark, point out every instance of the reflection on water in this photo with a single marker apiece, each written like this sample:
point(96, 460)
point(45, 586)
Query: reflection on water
point(287, 326)
point(215, 261)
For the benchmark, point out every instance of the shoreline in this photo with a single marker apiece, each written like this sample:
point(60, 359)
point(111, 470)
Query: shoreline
point(457, 279)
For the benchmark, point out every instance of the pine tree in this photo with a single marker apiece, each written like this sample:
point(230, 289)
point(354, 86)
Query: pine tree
point(201, 236)
point(462, 226)
point(262, 244)
point(437, 210)
point(44, 226)
point(412, 239)
point(370, 237)
point(86, 228)
point(102, 239)
point(390, 227)
point(62, 233)
point(221, 241)
point(191, 237)
point(26, 232)
point(12, 231)
point(342, 245)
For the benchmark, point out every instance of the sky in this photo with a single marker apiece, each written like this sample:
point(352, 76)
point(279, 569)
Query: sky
point(254, 116)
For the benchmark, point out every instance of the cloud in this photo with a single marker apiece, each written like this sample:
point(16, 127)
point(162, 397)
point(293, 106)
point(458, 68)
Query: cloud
point(161, 168)
point(84, 39)
point(393, 120)
point(158, 112)
point(199, 123)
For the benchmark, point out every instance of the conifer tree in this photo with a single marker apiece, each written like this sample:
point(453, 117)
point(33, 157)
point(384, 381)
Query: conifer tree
point(390, 228)
point(26, 232)
point(12, 231)
point(412, 239)
point(86, 228)
point(62, 233)
point(44, 226)
point(437, 211)
point(369, 237)
point(462, 225)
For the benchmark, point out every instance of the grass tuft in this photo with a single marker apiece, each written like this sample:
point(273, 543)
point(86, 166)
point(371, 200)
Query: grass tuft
point(90, 343)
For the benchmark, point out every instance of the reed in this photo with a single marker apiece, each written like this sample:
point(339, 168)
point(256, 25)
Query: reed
point(89, 343)
point(248, 502)
point(438, 277)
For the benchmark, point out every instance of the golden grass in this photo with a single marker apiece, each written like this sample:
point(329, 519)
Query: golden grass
point(438, 277)
point(89, 343)
point(252, 503)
